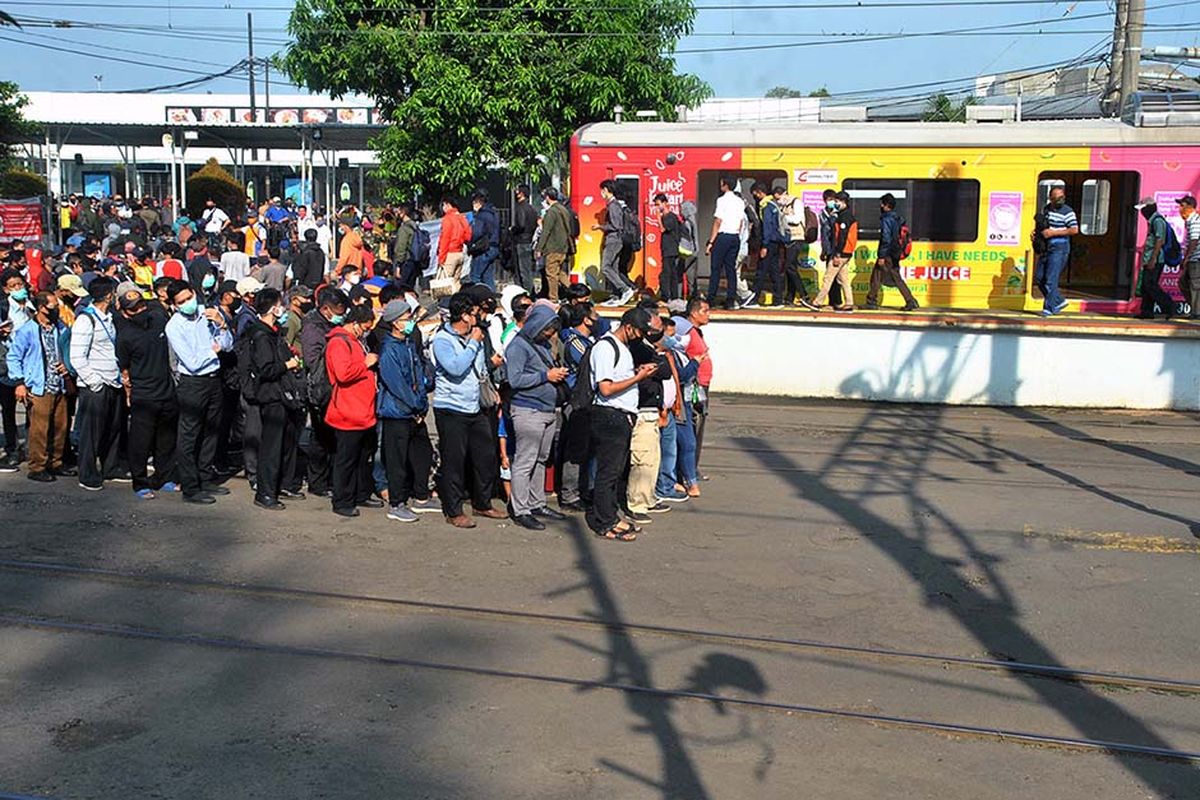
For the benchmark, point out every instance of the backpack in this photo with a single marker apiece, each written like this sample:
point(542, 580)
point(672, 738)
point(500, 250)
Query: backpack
point(573, 224)
point(903, 240)
point(583, 394)
point(631, 231)
point(316, 382)
point(1041, 221)
point(1172, 252)
point(243, 348)
point(418, 248)
point(785, 232)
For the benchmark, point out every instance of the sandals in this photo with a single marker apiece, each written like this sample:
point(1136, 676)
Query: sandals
point(621, 532)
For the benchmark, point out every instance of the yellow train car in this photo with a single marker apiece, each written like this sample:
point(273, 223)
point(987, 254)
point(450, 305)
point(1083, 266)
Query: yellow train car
point(969, 191)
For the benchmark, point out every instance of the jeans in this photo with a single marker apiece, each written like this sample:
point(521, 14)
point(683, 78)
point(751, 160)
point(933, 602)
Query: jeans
point(668, 452)
point(610, 264)
point(525, 270)
point(199, 417)
point(724, 263)
point(101, 433)
point(153, 428)
point(407, 459)
point(611, 434)
point(483, 267)
point(770, 269)
point(465, 439)
point(535, 438)
point(685, 457)
point(1049, 269)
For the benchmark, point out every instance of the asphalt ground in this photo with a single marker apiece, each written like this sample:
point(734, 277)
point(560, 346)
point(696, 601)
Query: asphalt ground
point(192, 665)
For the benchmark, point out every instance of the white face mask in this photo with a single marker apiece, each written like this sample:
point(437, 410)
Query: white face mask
point(354, 279)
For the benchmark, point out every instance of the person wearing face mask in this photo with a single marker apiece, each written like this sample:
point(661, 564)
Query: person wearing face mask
point(578, 334)
point(845, 240)
point(403, 405)
point(300, 302)
point(645, 451)
point(39, 365)
point(102, 409)
point(330, 312)
point(351, 277)
point(197, 336)
point(268, 384)
point(827, 232)
point(887, 265)
point(144, 358)
point(15, 313)
point(199, 266)
point(672, 416)
point(1153, 260)
point(1061, 225)
point(684, 479)
point(229, 437)
point(1190, 277)
point(465, 435)
point(533, 376)
point(351, 411)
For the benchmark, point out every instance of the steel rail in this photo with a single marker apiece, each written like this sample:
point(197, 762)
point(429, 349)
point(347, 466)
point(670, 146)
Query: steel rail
point(1063, 673)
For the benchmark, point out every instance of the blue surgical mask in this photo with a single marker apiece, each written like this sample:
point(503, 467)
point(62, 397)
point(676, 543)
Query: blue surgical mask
point(20, 295)
point(409, 327)
point(337, 319)
point(670, 342)
point(190, 308)
point(209, 281)
point(831, 205)
point(283, 318)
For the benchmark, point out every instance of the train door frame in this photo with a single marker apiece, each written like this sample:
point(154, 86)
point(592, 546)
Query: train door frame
point(708, 189)
point(623, 182)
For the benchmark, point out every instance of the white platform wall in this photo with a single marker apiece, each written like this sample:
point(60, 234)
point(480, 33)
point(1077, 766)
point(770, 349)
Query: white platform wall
point(939, 365)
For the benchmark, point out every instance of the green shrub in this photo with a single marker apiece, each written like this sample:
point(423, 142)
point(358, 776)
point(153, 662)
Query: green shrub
point(212, 181)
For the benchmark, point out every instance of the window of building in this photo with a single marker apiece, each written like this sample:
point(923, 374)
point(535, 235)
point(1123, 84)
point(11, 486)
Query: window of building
point(1093, 211)
point(936, 210)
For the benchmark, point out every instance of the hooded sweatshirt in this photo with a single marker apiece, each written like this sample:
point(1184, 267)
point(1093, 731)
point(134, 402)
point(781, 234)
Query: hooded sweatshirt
point(529, 360)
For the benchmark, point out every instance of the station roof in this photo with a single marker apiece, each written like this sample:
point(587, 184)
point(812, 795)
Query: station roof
point(241, 135)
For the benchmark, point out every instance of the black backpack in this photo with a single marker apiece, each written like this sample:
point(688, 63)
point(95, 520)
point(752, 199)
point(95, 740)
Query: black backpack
point(631, 231)
point(243, 348)
point(316, 380)
point(583, 394)
point(418, 249)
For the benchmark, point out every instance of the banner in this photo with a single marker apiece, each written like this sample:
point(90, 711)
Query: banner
point(1004, 219)
point(21, 219)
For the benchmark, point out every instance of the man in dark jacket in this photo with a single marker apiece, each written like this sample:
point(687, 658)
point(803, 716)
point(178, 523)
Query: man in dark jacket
point(407, 270)
point(403, 406)
point(532, 374)
point(887, 263)
point(524, 226)
point(485, 240)
point(308, 267)
point(268, 383)
point(199, 267)
point(672, 229)
point(770, 255)
point(330, 312)
point(144, 358)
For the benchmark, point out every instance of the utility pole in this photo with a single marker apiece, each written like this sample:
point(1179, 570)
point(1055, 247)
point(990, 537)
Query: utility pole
point(266, 62)
point(1131, 61)
point(1110, 101)
point(250, 67)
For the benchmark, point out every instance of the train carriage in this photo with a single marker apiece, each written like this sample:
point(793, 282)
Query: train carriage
point(969, 190)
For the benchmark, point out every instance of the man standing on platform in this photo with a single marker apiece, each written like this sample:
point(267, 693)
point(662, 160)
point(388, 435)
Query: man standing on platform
point(1061, 225)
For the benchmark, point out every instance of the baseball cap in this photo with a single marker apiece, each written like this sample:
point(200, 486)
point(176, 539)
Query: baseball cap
point(301, 291)
point(73, 284)
point(130, 301)
point(124, 287)
point(1145, 201)
point(250, 285)
point(394, 310)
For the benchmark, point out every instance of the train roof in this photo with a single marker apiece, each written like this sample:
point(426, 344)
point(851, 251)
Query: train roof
point(1057, 133)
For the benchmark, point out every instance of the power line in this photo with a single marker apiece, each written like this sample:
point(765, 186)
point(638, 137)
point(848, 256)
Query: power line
point(849, 5)
point(101, 56)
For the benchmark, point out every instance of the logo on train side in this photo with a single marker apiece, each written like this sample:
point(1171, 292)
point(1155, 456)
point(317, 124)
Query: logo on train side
point(815, 176)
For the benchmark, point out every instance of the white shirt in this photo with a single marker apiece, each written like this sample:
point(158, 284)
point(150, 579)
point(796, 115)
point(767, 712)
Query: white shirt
point(214, 219)
point(731, 211)
point(609, 366)
point(235, 265)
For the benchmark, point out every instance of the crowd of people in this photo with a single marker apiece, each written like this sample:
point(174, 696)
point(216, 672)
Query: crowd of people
point(178, 363)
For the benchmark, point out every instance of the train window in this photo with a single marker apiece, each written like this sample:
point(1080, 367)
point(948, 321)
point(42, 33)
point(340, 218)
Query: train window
point(1044, 187)
point(1093, 210)
point(936, 210)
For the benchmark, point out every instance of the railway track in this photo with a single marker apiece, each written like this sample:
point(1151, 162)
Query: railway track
point(84, 627)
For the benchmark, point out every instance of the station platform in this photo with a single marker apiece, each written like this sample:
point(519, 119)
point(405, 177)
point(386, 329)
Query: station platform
point(955, 357)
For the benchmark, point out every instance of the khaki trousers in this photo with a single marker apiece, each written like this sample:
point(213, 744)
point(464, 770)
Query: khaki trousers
point(454, 264)
point(839, 270)
point(47, 431)
point(645, 455)
point(556, 273)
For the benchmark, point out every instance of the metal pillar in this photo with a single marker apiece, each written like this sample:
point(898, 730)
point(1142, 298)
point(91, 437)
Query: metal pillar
point(1132, 58)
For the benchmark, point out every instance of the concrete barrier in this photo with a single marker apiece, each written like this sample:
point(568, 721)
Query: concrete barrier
point(959, 359)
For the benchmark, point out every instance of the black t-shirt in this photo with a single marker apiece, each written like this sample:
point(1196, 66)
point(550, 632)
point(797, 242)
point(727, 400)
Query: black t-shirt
point(143, 350)
point(650, 391)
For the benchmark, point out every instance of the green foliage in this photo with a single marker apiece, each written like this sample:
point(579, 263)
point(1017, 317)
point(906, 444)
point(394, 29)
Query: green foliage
point(943, 108)
point(18, 182)
point(469, 83)
point(821, 92)
point(783, 92)
point(212, 180)
point(13, 125)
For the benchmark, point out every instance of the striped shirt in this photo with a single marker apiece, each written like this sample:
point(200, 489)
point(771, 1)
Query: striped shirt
point(1063, 217)
point(1193, 237)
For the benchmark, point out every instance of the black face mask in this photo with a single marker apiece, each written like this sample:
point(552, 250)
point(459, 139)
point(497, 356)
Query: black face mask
point(235, 304)
point(52, 315)
point(654, 336)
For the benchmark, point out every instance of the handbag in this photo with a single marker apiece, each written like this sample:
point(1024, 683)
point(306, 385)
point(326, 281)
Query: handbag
point(444, 284)
point(489, 396)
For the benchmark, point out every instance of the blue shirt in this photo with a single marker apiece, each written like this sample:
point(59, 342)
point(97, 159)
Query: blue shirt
point(192, 342)
point(459, 364)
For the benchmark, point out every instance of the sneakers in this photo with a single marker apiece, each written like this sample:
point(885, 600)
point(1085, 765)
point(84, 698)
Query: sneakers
point(401, 514)
point(170, 486)
point(370, 502)
point(91, 487)
point(9, 464)
point(810, 305)
point(530, 522)
point(545, 512)
point(1061, 307)
point(638, 517)
point(673, 497)
point(144, 494)
point(430, 505)
point(658, 508)
point(627, 298)
point(124, 477)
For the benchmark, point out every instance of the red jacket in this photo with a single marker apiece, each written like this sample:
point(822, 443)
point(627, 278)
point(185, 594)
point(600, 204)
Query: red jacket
point(352, 407)
point(454, 236)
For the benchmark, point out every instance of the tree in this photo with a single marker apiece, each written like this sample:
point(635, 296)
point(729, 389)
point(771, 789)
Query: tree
point(468, 84)
point(943, 108)
point(822, 92)
point(213, 181)
point(20, 182)
point(13, 125)
point(783, 92)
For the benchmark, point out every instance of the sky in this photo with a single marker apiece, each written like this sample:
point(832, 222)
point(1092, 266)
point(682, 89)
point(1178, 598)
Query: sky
point(775, 42)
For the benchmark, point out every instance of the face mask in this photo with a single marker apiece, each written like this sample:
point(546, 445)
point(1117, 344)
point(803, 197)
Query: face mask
point(409, 327)
point(337, 319)
point(235, 304)
point(282, 317)
point(20, 295)
point(831, 205)
point(1058, 203)
point(654, 336)
point(190, 308)
point(209, 281)
point(52, 315)
point(354, 279)
point(670, 342)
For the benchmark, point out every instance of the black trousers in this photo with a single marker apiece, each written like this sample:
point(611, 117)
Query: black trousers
point(229, 438)
point(292, 477)
point(1153, 294)
point(321, 447)
point(153, 427)
point(407, 459)
point(101, 433)
point(251, 438)
point(8, 410)
point(699, 417)
point(199, 419)
point(794, 284)
point(612, 431)
point(352, 482)
point(277, 447)
point(465, 439)
point(668, 279)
